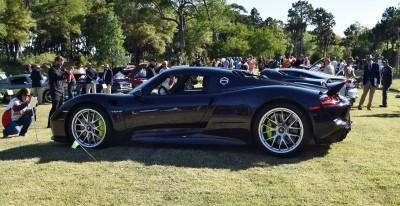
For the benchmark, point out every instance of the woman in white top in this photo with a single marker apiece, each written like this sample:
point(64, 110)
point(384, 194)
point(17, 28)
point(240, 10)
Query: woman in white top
point(348, 70)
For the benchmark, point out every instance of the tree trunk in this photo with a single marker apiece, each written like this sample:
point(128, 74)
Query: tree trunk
point(181, 28)
point(16, 50)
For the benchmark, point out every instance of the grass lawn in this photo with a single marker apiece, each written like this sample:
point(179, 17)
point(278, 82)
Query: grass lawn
point(364, 169)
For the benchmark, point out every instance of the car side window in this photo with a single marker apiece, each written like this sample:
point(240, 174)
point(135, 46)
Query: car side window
point(180, 85)
point(18, 80)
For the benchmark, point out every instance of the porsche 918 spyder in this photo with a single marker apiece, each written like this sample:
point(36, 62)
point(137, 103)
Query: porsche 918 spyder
point(225, 106)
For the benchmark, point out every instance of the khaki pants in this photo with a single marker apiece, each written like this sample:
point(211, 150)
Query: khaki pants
point(367, 88)
point(38, 92)
point(90, 86)
point(107, 90)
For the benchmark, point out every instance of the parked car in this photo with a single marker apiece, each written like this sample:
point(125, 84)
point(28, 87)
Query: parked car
point(349, 90)
point(229, 106)
point(135, 76)
point(17, 82)
point(278, 75)
point(117, 87)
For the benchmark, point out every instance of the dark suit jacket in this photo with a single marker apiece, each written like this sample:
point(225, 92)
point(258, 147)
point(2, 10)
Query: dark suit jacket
point(108, 77)
point(371, 74)
point(387, 76)
point(91, 74)
point(36, 77)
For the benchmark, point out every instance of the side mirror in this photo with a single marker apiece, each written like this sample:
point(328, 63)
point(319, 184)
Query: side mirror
point(138, 93)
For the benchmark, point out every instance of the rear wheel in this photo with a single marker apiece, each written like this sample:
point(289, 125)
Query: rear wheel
point(282, 129)
point(47, 96)
point(90, 126)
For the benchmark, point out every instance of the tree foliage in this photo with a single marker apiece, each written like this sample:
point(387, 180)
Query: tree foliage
point(122, 31)
point(323, 22)
point(299, 17)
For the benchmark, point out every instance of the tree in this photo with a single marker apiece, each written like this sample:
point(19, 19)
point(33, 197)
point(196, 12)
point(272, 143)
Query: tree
point(17, 21)
point(59, 26)
point(144, 33)
point(106, 36)
point(323, 22)
point(265, 42)
point(299, 16)
point(255, 18)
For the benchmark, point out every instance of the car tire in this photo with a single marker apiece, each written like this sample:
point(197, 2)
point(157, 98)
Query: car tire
point(90, 126)
point(47, 96)
point(3, 96)
point(281, 129)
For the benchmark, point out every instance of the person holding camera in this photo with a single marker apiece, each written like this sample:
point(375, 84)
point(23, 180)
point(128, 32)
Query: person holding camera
point(18, 114)
point(57, 77)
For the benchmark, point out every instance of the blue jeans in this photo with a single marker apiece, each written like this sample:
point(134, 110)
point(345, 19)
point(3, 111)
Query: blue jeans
point(13, 127)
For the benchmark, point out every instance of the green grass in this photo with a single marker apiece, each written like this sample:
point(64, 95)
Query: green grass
point(362, 170)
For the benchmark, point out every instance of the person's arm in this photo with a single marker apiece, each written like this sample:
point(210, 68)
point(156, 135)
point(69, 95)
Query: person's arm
point(56, 75)
point(19, 107)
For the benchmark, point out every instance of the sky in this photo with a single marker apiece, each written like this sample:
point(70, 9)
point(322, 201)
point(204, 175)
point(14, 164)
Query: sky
point(346, 12)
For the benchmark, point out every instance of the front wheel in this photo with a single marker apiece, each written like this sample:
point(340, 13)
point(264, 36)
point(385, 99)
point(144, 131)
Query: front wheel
point(281, 129)
point(90, 126)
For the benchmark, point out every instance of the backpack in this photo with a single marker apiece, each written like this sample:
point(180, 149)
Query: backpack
point(6, 118)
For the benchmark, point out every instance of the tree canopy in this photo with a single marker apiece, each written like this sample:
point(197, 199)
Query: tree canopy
point(121, 31)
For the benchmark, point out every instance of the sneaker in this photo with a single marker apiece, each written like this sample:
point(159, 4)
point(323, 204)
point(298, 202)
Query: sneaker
point(21, 135)
point(382, 105)
point(359, 108)
point(369, 108)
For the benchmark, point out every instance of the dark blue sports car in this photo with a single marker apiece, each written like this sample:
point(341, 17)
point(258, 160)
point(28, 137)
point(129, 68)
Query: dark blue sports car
point(207, 105)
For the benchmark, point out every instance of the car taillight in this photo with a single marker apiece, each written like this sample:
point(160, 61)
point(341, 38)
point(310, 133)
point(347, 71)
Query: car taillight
point(326, 100)
point(329, 100)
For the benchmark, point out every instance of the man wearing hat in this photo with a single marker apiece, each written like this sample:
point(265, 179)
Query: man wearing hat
point(371, 80)
point(107, 79)
point(57, 78)
point(37, 78)
point(91, 78)
point(387, 77)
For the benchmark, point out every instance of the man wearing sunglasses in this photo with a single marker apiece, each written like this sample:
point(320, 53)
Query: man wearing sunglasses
point(18, 114)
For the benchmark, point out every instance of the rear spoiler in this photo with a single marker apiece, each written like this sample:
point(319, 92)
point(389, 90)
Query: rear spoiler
point(335, 89)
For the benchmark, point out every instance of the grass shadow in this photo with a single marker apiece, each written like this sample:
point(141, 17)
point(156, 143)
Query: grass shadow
point(193, 156)
point(382, 115)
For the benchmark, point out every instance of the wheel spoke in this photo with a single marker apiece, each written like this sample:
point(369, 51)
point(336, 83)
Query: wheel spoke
point(293, 122)
point(290, 138)
point(284, 142)
point(275, 122)
point(287, 118)
point(294, 127)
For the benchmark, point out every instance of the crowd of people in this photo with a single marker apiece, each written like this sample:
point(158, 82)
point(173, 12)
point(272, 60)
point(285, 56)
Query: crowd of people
point(18, 113)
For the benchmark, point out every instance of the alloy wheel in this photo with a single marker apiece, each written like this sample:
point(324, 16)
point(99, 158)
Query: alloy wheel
point(88, 128)
point(280, 130)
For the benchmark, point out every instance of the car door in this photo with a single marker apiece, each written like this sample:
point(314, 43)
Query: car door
point(179, 111)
